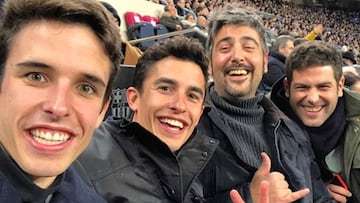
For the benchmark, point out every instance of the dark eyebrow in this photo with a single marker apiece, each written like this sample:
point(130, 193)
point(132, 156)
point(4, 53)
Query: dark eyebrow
point(165, 80)
point(33, 64)
point(172, 82)
point(225, 39)
point(40, 65)
point(247, 38)
point(198, 90)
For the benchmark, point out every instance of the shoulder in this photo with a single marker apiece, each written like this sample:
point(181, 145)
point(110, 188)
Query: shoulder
point(74, 190)
point(108, 151)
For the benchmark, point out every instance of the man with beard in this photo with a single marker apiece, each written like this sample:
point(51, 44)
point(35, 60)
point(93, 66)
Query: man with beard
point(257, 141)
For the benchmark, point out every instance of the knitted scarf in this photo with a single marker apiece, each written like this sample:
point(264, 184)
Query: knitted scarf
point(245, 121)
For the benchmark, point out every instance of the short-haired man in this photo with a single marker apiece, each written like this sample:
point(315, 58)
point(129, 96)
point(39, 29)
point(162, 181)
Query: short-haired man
point(313, 94)
point(282, 47)
point(57, 62)
point(158, 155)
point(248, 124)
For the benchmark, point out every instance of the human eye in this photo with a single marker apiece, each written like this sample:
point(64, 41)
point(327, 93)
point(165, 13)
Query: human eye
point(87, 89)
point(324, 87)
point(164, 88)
point(35, 76)
point(300, 87)
point(249, 46)
point(194, 96)
point(224, 47)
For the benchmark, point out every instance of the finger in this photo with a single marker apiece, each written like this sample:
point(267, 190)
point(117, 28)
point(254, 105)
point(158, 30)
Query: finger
point(235, 197)
point(339, 190)
point(297, 195)
point(265, 165)
point(338, 197)
point(264, 192)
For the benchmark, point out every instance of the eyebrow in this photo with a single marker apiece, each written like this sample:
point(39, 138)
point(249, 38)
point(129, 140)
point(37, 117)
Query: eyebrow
point(225, 39)
point(172, 82)
point(40, 65)
point(247, 38)
point(243, 38)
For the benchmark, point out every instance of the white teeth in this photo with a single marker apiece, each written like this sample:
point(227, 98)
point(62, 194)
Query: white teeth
point(173, 122)
point(238, 72)
point(48, 138)
point(313, 108)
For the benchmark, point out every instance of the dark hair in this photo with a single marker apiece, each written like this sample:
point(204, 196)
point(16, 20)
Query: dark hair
point(17, 14)
point(299, 41)
point(112, 10)
point(187, 49)
point(314, 53)
point(233, 14)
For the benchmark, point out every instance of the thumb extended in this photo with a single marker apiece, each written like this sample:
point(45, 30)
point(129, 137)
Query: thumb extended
point(265, 165)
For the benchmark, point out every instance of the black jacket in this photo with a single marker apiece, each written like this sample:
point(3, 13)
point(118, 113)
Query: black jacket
point(276, 70)
point(291, 155)
point(16, 187)
point(350, 141)
point(126, 163)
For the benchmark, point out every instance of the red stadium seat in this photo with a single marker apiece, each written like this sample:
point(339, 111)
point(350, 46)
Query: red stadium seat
point(132, 18)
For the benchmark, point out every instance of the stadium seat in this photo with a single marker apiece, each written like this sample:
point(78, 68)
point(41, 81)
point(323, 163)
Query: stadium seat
point(158, 28)
point(137, 28)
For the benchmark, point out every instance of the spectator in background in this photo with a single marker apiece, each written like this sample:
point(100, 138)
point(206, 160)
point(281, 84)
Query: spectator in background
point(195, 5)
point(180, 8)
point(313, 95)
point(299, 40)
point(188, 4)
point(202, 10)
point(170, 20)
point(348, 58)
point(58, 60)
point(189, 21)
point(202, 31)
point(352, 81)
point(315, 32)
point(131, 53)
point(281, 49)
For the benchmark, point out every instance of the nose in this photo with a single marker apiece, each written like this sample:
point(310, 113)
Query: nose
point(237, 55)
point(178, 103)
point(313, 96)
point(57, 102)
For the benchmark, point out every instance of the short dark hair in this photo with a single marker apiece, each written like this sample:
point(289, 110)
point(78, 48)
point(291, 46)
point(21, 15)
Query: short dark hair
point(113, 11)
point(17, 14)
point(314, 53)
point(180, 47)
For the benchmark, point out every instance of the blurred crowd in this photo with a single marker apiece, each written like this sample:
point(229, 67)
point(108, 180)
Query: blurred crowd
point(281, 17)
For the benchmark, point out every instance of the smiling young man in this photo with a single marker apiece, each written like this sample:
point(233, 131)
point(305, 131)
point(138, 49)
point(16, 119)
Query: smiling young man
point(56, 63)
point(248, 124)
point(158, 155)
point(313, 94)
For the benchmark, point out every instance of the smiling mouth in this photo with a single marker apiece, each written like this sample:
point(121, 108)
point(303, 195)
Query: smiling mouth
point(313, 108)
point(238, 72)
point(173, 123)
point(49, 138)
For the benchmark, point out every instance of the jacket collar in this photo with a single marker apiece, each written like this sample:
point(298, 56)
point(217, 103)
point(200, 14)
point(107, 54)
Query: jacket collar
point(279, 56)
point(352, 100)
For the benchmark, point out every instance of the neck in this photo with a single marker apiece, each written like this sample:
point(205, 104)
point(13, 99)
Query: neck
point(43, 182)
